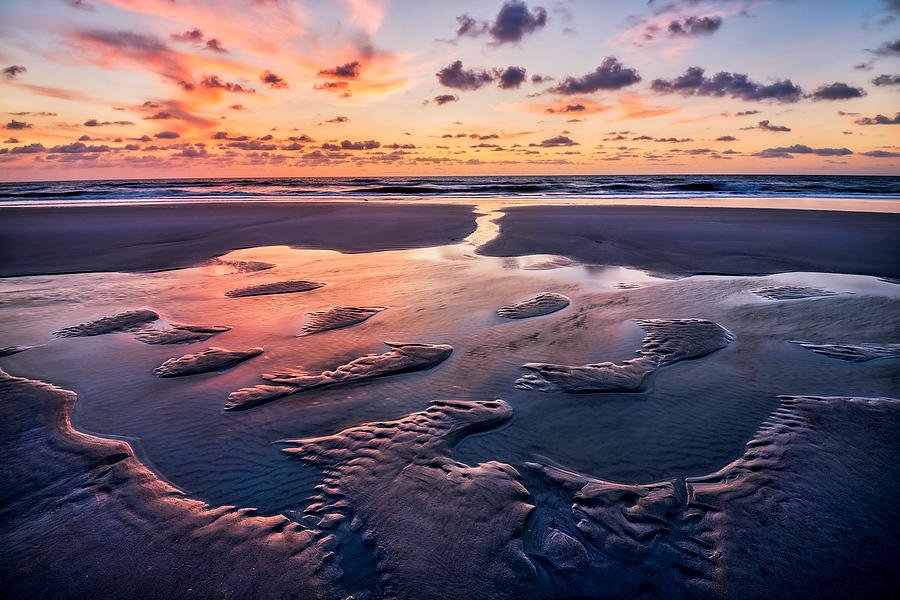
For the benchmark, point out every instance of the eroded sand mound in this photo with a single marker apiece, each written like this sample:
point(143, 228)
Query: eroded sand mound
point(278, 287)
point(666, 341)
point(789, 493)
point(335, 317)
point(125, 321)
point(176, 333)
point(402, 358)
point(541, 304)
point(243, 266)
point(792, 292)
point(213, 359)
point(437, 527)
point(10, 350)
point(855, 353)
point(111, 513)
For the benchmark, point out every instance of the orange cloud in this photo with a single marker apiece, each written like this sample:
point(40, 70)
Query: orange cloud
point(635, 106)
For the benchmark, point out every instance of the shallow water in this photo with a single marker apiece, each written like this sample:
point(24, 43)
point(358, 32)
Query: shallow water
point(694, 418)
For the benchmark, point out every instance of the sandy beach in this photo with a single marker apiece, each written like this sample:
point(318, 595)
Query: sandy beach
point(385, 400)
point(669, 240)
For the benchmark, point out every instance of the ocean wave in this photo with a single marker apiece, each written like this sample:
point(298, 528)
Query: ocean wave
point(576, 186)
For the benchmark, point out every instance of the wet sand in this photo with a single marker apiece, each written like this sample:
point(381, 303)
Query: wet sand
point(686, 241)
point(80, 239)
point(745, 465)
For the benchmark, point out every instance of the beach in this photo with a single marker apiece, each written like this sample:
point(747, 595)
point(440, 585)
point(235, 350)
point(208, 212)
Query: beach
point(448, 400)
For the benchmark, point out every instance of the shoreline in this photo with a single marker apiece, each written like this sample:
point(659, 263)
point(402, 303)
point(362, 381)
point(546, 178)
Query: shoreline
point(845, 203)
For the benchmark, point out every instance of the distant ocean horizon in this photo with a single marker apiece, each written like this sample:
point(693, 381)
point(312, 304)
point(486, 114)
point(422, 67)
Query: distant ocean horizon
point(602, 188)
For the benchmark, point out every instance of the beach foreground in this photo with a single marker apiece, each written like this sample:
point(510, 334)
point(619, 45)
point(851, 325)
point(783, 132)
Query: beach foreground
point(597, 402)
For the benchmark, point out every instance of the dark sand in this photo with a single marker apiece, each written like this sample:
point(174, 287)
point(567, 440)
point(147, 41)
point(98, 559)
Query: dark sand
point(44, 240)
point(685, 241)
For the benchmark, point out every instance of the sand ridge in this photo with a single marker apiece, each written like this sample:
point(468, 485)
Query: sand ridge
point(212, 359)
point(793, 292)
point(177, 333)
point(402, 358)
point(243, 266)
point(536, 306)
point(276, 287)
point(336, 317)
point(10, 350)
point(126, 321)
point(666, 341)
point(853, 352)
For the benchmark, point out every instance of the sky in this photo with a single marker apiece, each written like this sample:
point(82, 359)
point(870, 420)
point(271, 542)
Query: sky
point(98, 89)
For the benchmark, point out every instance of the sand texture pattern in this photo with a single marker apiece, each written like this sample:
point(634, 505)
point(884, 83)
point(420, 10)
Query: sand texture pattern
point(213, 359)
point(402, 358)
point(792, 292)
point(854, 352)
point(336, 317)
point(277, 287)
point(667, 341)
point(541, 304)
point(176, 333)
point(125, 321)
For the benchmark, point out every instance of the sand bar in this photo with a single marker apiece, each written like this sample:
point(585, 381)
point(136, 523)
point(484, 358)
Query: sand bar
point(685, 241)
point(51, 240)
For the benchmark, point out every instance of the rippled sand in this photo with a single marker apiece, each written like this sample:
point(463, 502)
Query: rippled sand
point(736, 470)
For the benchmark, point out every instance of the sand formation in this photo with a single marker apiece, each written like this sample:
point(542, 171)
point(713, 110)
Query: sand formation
point(212, 359)
point(667, 341)
point(125, 321)
point(793, 292)
point(396, 516)
point(402, 358)
point(10, 350)
point(176, 333)
point(113, 513)
point(854, 353)
point(243, 266)
point(335, 317)
point(277, 287)
point(541, 304)
point(140, 322)
point(458, 524)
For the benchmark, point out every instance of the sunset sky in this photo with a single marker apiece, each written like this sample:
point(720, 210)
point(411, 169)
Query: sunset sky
point(98, 89)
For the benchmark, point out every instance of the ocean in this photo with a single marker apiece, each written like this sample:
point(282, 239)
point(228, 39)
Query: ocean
point(561, 188)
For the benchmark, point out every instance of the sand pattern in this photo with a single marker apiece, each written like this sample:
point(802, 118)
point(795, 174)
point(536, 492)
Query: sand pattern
point(278, 287)
point(434, 525)
point(111, 506)
point(10, 350)
point(336, 317)
point(667, 341)
point(176, 333)
point(793, 292)
point(212, 359)
point(541, 304)
point(402, 358)
point(700, 537)
point(397, 517)
point(125, 321)
point(854, 352)
point(243, 266)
